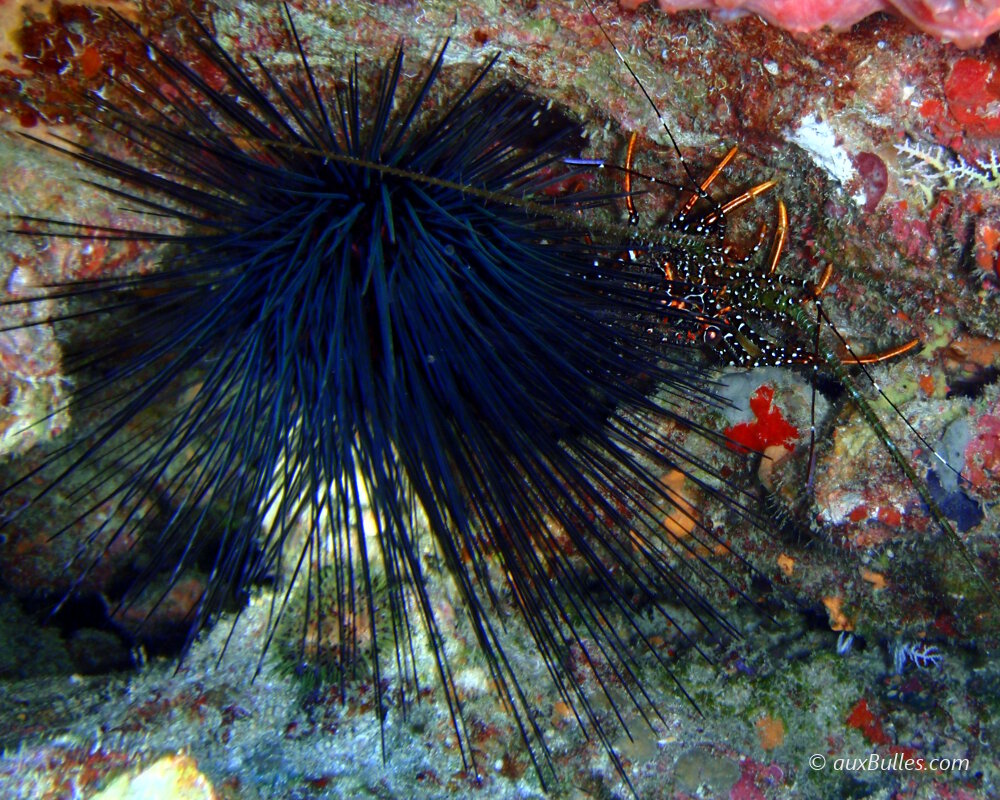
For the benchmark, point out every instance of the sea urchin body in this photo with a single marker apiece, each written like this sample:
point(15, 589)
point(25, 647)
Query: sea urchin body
point(381, 309)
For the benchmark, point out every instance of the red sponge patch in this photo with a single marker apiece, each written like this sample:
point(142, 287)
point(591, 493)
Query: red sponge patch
point(973, 92)
point(769, 428)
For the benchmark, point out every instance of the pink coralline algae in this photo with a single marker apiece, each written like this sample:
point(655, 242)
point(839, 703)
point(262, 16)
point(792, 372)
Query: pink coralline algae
point(982, 457)
point(874, 178)
point(967, 23)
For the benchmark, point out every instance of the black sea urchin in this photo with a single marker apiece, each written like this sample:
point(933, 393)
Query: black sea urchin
point(385, 312)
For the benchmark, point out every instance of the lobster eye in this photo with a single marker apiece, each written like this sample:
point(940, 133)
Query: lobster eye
point(710, 335)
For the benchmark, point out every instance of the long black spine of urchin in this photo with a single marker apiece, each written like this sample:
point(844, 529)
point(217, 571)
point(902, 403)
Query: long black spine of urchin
point(384, 304)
